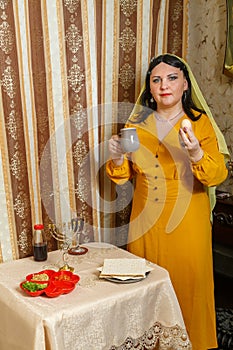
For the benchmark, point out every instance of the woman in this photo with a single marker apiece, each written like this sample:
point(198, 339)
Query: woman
point(176, 162)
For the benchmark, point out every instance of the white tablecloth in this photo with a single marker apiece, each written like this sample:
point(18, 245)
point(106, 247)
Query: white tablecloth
point(97, 315)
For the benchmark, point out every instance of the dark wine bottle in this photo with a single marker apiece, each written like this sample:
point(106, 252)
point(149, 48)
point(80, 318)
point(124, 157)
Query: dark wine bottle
point(39, 243)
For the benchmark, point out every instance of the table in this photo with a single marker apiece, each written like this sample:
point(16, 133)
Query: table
point(96, 315)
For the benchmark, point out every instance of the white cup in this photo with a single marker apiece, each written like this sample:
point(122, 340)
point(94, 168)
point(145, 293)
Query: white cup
point(129, 140)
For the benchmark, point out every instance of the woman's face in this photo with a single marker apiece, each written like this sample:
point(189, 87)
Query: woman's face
point(167, 85)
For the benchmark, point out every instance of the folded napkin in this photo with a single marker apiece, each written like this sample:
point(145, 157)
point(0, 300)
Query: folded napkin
point(124, 268)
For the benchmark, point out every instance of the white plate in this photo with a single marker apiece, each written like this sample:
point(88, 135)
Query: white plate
point(128, 280)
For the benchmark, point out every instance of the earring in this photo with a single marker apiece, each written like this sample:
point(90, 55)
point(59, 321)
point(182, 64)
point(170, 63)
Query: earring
point(152, 99)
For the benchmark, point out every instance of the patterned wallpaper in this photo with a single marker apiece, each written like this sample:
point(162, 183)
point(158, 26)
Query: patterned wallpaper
point(206, 52)
point(71, 57)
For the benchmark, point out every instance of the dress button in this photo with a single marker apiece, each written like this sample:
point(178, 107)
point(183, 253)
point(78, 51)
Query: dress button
point(156, 177)
point(156, 165)
point(156, 199)
point(155, 188)
point(156, 156)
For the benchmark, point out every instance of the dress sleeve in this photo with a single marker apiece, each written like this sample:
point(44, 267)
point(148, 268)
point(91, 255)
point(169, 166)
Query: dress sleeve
point(211, 169)
point(119, 174)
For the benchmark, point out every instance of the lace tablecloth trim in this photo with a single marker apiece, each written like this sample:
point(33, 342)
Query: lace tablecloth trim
point(158, 337)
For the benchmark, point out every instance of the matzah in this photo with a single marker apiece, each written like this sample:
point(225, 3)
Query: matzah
point(124, 267)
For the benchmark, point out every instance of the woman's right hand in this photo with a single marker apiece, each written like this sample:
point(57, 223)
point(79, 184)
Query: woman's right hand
point(115, 150)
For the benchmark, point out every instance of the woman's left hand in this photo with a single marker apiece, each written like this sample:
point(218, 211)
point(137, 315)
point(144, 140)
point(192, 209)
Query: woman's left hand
point(191, 143)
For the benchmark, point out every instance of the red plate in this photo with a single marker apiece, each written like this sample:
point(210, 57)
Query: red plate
point(33, 294)
point(63, 276)
point(61, 282)
point(32, 275)
point(57, 288)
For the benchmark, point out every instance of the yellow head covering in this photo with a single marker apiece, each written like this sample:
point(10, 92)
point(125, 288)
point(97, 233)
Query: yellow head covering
point(201, 103)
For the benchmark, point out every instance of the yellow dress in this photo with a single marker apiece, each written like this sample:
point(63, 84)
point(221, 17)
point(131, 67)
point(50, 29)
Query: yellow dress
point(170, 219)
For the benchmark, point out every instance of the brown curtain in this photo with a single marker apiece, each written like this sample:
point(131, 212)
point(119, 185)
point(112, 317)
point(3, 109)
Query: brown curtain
point(70, 72)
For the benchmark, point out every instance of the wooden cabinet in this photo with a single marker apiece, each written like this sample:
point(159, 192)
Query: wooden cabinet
point(223, 236)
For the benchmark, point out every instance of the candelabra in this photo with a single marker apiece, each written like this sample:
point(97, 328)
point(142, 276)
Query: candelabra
point(59, 233)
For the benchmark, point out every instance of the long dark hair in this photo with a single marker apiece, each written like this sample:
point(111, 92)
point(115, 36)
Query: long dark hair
point(146, 97)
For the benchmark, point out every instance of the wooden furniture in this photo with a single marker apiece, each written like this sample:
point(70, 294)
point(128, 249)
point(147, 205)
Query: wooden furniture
point(96, 315)
point(223, 236)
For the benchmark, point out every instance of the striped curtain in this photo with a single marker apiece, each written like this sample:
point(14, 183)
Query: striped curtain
point(70, 72)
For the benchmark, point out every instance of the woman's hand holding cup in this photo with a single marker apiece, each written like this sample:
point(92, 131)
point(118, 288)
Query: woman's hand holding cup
point(126, 142)
point(115, 150)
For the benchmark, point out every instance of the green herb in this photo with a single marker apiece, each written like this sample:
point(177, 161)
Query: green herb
point(34, 287)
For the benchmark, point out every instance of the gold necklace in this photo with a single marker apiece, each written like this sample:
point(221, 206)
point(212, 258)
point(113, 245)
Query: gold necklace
point(167, 120)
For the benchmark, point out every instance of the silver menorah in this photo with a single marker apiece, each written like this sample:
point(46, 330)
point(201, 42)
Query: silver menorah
point(68, 235)
point(59, 233)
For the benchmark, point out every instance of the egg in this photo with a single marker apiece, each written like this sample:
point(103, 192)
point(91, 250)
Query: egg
point(186, 124)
